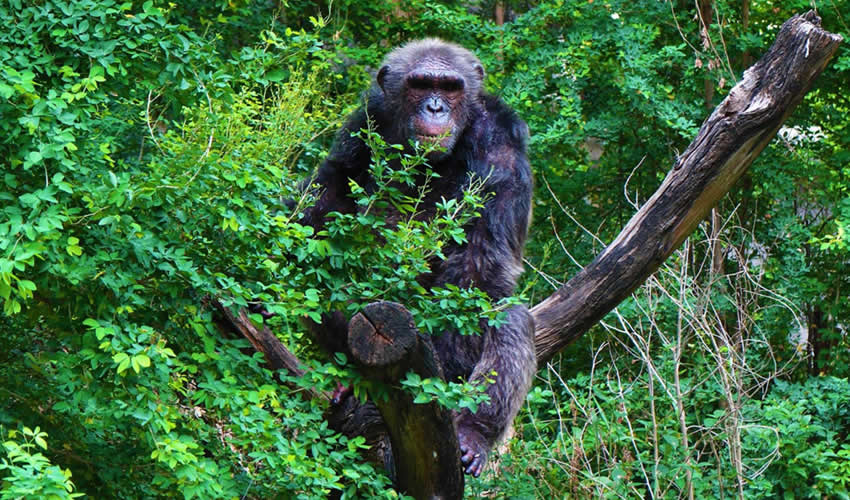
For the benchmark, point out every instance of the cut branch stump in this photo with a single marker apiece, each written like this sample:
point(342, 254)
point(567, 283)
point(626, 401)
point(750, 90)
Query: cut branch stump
point(384, 340)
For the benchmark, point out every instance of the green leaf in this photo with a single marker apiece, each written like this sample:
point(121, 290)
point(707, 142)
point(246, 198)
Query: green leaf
point(40, 442)
point(123, 361)
point(11, 307)
point(142, 359)
point(276, 75)
point(422, 398)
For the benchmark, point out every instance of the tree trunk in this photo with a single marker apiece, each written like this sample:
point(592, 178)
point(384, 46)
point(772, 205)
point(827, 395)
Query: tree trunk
point(424, 459)
point(384, 340)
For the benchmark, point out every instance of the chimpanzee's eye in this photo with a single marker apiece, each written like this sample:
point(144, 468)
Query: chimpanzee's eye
point(419, 83)
point(451, 84)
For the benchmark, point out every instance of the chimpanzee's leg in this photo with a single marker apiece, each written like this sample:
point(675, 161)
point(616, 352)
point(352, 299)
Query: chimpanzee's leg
point(509, 352)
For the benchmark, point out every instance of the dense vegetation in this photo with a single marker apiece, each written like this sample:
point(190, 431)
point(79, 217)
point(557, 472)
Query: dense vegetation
point(146, 152)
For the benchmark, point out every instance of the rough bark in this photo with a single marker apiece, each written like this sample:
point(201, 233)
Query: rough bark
point(384, 340)
point(424, 459)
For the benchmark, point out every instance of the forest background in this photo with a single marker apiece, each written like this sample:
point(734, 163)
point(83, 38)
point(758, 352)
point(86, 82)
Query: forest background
point(146, 152)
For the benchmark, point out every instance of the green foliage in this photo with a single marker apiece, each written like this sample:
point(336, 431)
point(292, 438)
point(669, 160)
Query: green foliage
point(803, 437)
point(452, 395)
point(132, 195)
point(148, 147)
point(137, 182)
point(28, 473)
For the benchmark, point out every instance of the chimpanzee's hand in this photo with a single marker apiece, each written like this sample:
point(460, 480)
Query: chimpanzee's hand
point(341, 393)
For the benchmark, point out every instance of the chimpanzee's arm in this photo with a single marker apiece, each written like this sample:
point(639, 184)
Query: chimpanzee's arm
point(492, 261)
point(348, 159)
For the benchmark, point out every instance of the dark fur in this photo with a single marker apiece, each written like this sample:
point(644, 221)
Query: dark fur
point(487, 140)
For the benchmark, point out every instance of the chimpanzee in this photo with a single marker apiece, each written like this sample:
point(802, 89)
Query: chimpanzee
point(431, 91)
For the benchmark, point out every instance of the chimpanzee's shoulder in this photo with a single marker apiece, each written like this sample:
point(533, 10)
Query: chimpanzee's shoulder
point(503, 123)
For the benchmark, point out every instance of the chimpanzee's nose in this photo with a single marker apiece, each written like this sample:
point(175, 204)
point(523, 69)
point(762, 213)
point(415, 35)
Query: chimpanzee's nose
point(435, 106)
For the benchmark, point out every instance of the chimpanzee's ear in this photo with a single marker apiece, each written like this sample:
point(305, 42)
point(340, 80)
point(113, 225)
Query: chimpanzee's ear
point(480, 70)
point(382, 74)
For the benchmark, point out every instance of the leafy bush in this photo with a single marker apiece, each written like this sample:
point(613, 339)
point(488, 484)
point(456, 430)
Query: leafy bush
point(127, 200)
point(148, 148)
point(802, 436)
point(28, 473)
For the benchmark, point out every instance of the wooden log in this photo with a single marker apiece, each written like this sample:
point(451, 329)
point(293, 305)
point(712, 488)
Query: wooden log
point(384, 339)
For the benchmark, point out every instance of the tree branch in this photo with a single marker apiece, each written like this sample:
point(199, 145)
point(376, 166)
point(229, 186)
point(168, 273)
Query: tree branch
point(263, 340)
point(727, 143)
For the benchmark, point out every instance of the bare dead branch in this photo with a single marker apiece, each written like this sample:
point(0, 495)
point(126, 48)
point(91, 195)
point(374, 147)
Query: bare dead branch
point(727, 143)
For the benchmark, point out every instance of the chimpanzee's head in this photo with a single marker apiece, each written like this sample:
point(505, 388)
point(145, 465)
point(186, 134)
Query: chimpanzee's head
point(434, 86)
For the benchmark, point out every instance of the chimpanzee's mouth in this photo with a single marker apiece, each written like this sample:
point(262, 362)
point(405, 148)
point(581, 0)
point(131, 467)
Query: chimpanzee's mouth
point(429, 138)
